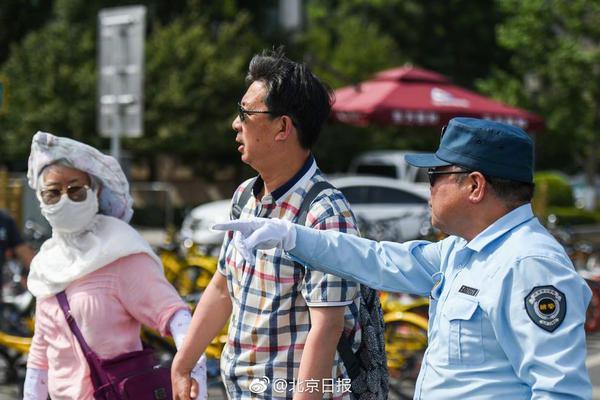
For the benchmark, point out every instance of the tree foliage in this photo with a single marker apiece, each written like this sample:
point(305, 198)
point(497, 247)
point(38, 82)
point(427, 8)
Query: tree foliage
point(194, 76)
point(454, 37)
point(18, 18)
point(348, 41)
point(538, 54)
point(52, 82)
point(196, 60)
point(555, 70)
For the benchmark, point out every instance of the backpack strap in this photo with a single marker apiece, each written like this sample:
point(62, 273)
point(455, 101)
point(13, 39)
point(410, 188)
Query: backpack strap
point(315, 190)
point(350, 359)
point(312, 194)
point(236, 209)
point(344, 346)
point(98, 378)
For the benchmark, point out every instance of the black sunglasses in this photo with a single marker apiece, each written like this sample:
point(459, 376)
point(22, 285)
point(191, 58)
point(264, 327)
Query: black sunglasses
point(75, 193)
point(432, 174)
point(242, 112)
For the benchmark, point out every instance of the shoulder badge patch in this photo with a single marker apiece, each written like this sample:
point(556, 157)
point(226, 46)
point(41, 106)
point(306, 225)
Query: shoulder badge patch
point(546, 306)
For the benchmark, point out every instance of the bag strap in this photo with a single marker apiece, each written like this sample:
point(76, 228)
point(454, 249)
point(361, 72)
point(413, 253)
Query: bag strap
point(236, 209)
point(315, 190)
point(350, 359)
point(98, 378)
point(312, 194)
point(344, 346)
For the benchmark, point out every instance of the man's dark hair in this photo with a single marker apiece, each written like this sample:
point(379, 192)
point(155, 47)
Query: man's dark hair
point(512, 193)
point(292, 90)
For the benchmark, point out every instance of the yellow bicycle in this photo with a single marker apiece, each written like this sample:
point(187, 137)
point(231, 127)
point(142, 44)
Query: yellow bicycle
point(405, 333)
point(186, 267)
point(16, 330)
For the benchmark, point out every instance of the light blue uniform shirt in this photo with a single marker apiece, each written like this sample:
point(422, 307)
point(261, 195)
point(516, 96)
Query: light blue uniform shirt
point(482, 342)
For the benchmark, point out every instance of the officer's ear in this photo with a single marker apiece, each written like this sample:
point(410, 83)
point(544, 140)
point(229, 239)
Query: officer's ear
point(477, 185)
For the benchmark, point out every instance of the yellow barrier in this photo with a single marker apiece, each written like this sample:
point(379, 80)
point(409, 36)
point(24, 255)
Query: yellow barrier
point(19, 343)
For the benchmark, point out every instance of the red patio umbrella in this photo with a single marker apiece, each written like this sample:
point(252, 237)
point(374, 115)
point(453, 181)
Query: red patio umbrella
point(417, 97)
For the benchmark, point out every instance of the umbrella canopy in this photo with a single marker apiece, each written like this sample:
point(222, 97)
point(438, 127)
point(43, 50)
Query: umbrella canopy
point(416, 97)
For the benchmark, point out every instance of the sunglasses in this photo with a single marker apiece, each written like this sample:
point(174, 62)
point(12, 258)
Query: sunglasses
point(75, 193)
point(432, 174)
point(242, 112)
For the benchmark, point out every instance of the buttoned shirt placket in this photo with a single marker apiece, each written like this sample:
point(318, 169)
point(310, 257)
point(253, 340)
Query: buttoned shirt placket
point(448, 281)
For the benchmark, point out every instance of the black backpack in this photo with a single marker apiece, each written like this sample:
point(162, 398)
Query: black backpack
point(367, 368)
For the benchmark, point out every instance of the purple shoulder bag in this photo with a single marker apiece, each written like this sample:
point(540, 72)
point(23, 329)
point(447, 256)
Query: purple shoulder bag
point(135, 375)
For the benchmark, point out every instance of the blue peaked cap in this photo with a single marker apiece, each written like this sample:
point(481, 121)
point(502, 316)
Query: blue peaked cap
point(492, 148)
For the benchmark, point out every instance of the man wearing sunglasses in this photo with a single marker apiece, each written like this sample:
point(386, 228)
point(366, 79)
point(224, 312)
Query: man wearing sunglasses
point(507, 308)
point(285, 321)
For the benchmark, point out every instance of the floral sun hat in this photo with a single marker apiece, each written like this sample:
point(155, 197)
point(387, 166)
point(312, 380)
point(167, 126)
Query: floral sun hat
point(46, 149)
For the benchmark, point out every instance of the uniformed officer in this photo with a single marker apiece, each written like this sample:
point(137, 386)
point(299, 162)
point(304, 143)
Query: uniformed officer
point(507, 308)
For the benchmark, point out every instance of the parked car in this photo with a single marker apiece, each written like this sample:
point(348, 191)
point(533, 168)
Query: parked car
point(388, 163)
point(196, 225)
point(386, 209)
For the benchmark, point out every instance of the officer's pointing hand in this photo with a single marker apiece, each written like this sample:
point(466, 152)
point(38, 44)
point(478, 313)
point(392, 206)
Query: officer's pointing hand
point(259, 233)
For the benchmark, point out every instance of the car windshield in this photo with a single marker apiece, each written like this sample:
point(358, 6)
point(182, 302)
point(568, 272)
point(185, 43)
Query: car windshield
point(380, 170)
point(380, 195)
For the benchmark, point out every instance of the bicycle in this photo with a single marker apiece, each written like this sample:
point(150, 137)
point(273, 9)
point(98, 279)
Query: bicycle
point(405, 333)
point(585, 255)
point(16, 331)
point(186, 266)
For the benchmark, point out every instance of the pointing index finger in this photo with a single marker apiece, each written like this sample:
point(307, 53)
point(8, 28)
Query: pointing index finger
point(228, 226)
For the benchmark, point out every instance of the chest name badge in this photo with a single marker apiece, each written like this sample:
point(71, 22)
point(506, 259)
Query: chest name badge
point(546, 306)
point(468, 290)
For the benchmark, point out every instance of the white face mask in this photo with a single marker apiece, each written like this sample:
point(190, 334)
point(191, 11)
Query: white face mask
point(68, 216)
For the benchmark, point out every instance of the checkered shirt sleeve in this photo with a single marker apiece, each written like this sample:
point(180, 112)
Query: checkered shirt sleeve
point(329, 212)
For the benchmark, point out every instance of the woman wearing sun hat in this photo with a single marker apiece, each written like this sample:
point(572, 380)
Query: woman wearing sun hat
point(112, 279)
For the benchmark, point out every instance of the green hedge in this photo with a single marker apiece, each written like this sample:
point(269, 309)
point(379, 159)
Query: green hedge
point(555, 188)
point(573, 216)
point(554, 196)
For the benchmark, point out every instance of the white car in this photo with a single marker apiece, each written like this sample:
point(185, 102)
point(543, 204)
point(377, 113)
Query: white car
point(386, 209)
point(390, 164)
point(196, 225)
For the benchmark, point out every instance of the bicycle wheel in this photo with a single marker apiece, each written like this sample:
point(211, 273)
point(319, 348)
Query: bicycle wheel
point(7, 368)
point(405, 344)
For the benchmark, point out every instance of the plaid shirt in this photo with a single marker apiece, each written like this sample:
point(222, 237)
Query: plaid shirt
point(270, 319)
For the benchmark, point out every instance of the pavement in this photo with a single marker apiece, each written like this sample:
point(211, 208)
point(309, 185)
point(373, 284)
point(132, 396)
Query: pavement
point(10, 392)
point(593, 363)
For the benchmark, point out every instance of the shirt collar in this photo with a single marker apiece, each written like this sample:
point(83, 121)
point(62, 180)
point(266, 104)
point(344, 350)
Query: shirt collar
point(307, 170)
point(506, 223)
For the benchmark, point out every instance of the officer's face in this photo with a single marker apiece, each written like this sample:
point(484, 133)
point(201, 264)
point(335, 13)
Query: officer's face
point(448, 201)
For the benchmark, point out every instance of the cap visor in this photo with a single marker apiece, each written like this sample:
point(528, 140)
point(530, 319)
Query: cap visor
point(425, 160)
